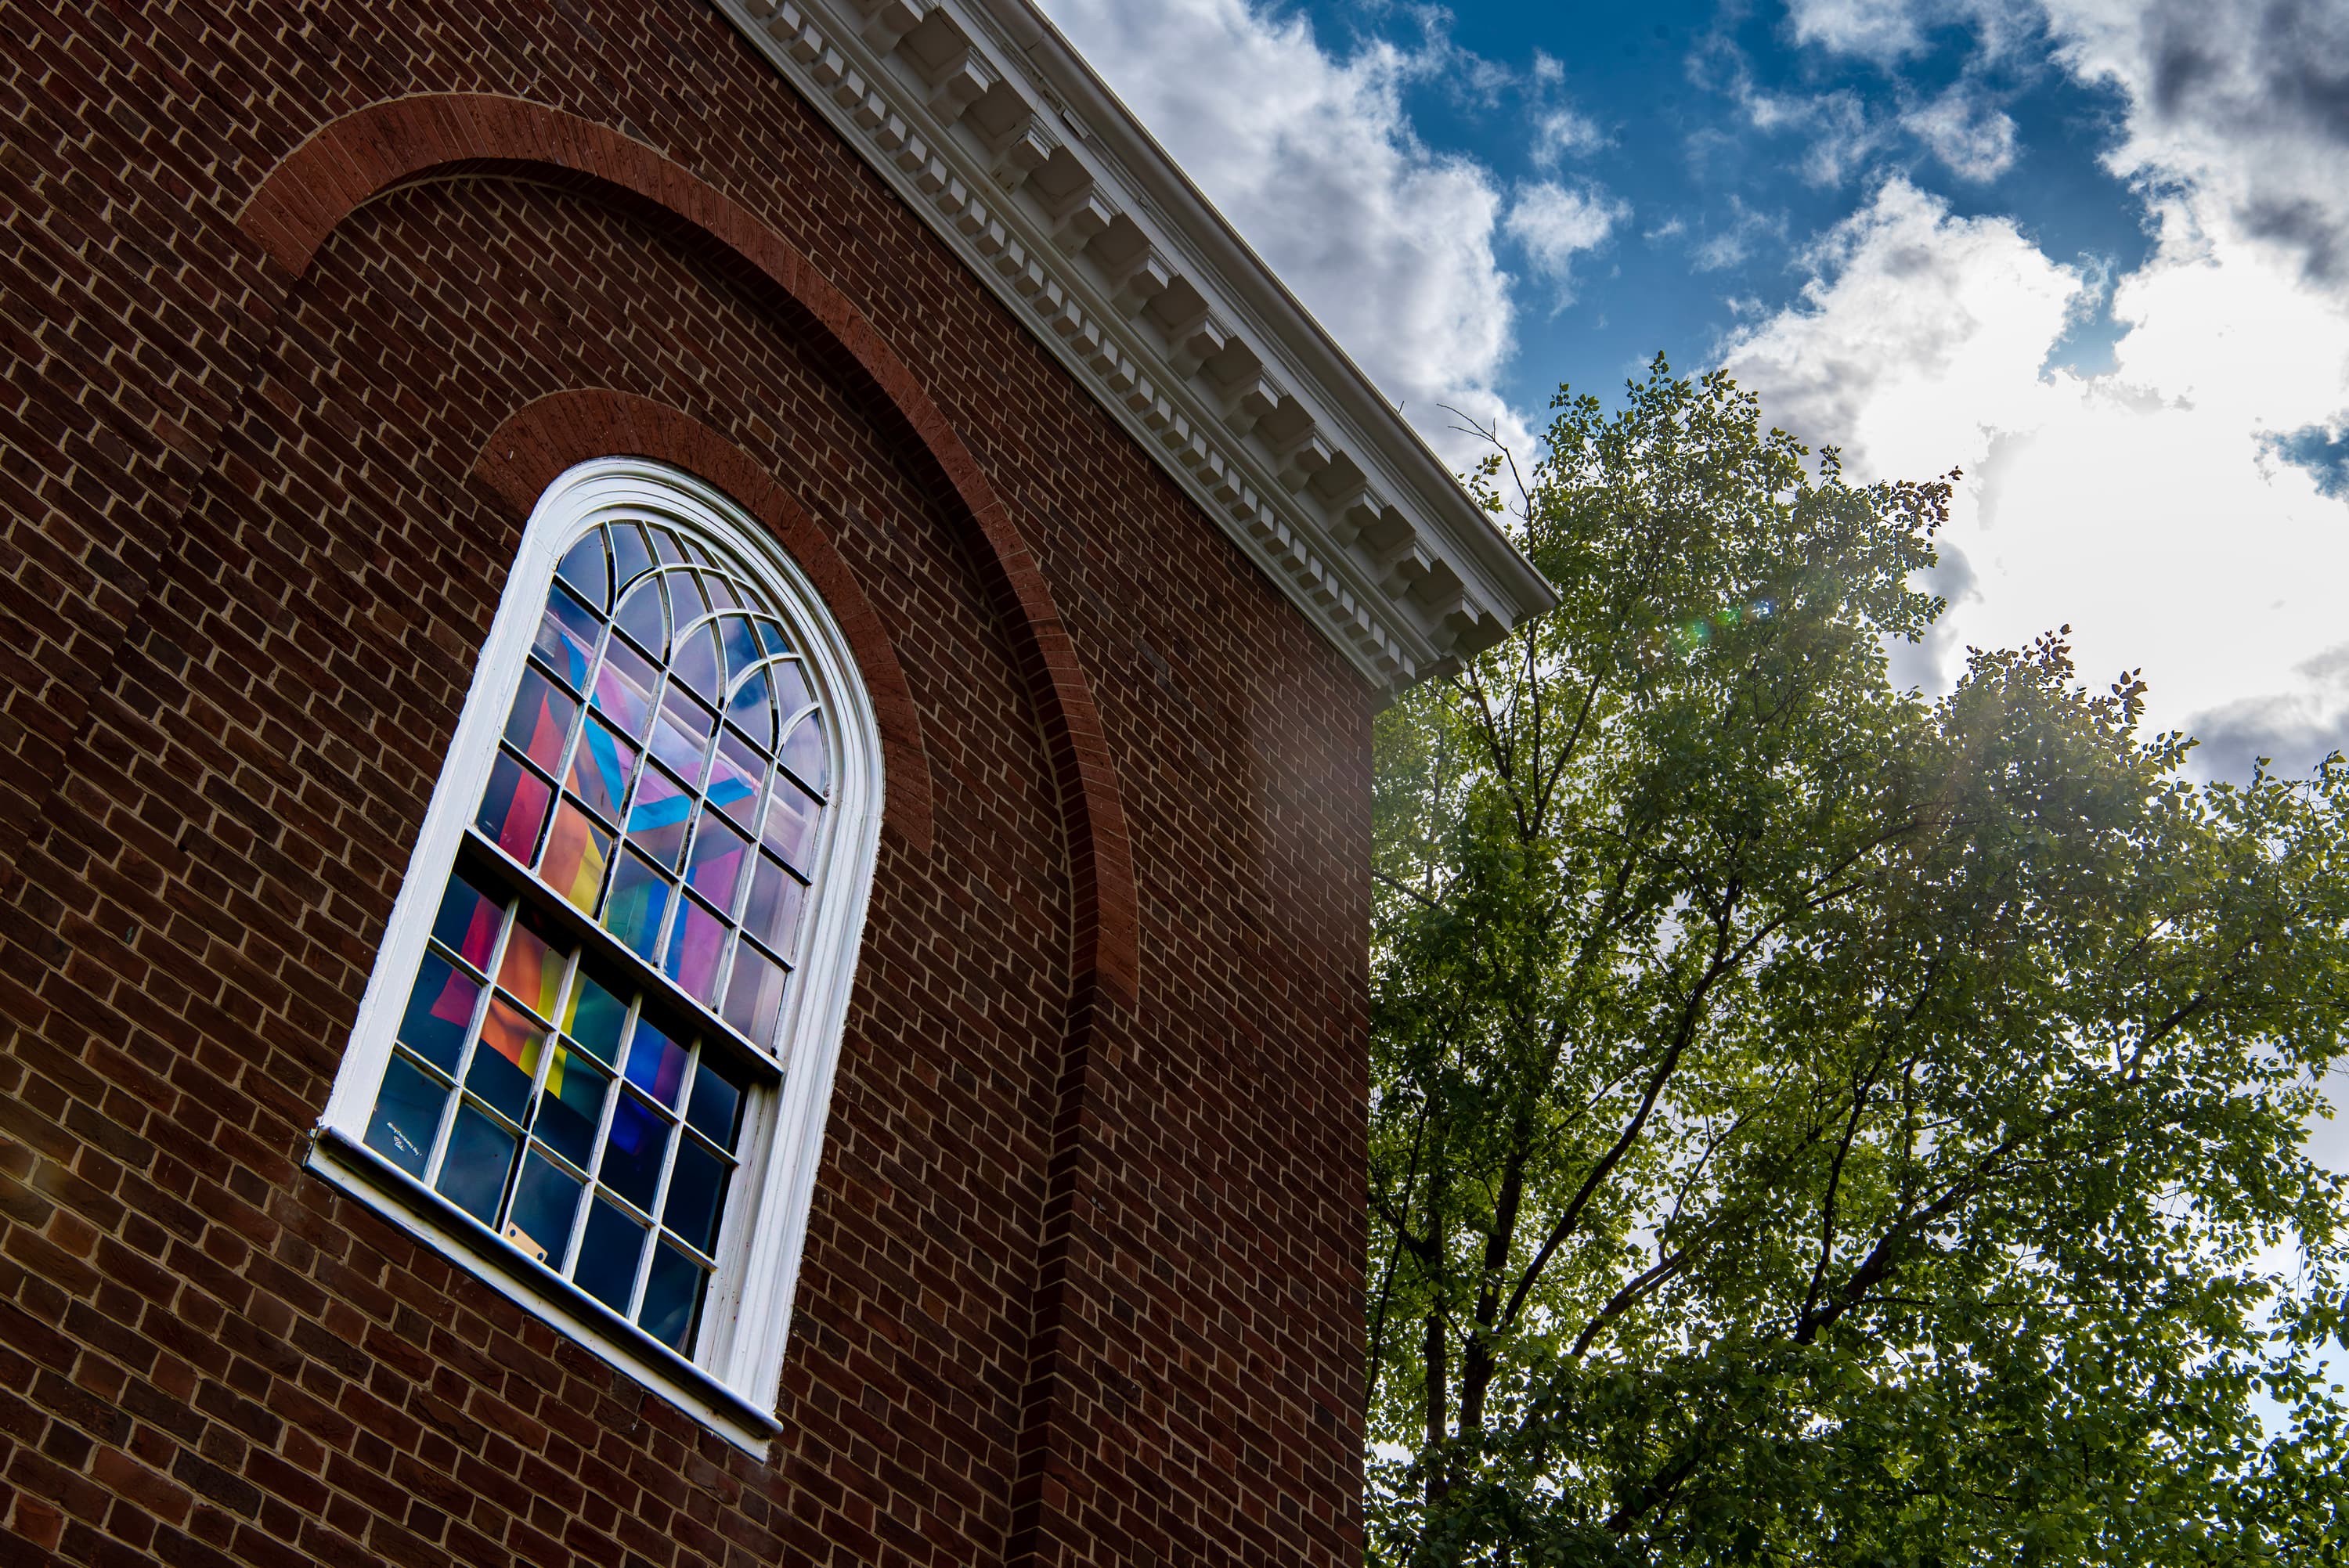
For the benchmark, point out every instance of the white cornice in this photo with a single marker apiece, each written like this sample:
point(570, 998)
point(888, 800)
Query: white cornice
point(992, 127)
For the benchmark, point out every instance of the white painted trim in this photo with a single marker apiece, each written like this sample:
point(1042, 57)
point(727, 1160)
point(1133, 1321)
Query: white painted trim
point(748, 1314)
point(993, 129)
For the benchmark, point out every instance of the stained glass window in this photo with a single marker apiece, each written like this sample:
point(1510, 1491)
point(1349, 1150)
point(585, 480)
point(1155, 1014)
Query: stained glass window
point(661, 772)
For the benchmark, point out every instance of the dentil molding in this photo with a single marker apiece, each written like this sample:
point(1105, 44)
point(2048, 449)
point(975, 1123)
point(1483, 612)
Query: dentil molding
point(991, 125)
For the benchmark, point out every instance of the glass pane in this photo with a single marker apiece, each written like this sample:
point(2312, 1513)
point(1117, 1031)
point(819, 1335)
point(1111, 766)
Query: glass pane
point(754, 995)
point(773, 913)
point(753, 708)
point(585, 568)
point(533, 966)
point(540, 721)
point(595, 1019)
point(792, 694)
point(570, 1106)
point(566, 636)
point(694, 949)
point(715, 868)
point(439, 1011)
point(791, 816)
point(697, 662)
point(658, 814)
point(804, 753)
point(632, 908)
point(721, 592)
point(672, 1298)
point(715, 1111)
point(734, 779)
point(468, 922)
point(545, 1201)
point(507, 1060)
point(513, 807)
point(742, 647)
point(697, 1194)
point(771, 638)
point(600, 769)
point(578, 849)
point(681, 734)
point(473, 1174)
point(656, 1064)
point(406, 1115)
point(665, 548)
point(608, 1254)
point(629, 556)
point(624, 690)
point(633, 1151)
point(644, 615)
point(686, 603)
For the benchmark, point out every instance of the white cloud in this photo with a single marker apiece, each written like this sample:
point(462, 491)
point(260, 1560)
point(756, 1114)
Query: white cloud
point(2243, 102)
point(1877, 29)
point(1313, 159)
point(1920, 336)
point(1560, 133)
point(1973, 138)
point(2140, 505)
point(1889, 31)
point(1555, 224)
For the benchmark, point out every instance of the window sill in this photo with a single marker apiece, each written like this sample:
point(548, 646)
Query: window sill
point(365, 1176)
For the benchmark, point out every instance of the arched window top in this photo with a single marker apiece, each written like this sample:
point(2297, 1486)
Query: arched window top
point(595, 1057)
point(665, 763)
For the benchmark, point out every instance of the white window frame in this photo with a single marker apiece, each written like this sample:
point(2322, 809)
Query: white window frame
point(730, 1380)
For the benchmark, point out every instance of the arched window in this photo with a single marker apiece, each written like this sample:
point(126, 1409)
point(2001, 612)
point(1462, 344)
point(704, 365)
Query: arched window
point(592, 1061)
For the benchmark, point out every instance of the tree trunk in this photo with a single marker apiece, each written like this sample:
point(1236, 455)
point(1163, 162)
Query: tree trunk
point(1438, 1401)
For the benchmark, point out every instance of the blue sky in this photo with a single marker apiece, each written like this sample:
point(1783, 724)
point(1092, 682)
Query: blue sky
point(1657, 106)
point(2094, 252)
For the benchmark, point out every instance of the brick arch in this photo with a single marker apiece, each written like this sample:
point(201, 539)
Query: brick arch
point(434, 135)
point(539, 440)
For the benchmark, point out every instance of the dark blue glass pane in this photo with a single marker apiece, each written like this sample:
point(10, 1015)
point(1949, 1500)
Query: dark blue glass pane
point(608, 1256)
point(672, 1298)
point(545, 1199)
point(717, 1101)
point(571, 1105)
point(633, 1151)
point(474, 1176)
point(406, 1115)
point(697, 1195)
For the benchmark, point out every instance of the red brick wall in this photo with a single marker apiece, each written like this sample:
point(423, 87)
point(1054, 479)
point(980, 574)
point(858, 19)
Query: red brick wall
point(1080, 1281)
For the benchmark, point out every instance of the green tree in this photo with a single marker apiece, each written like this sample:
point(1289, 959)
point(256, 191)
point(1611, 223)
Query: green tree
point(1815, 1124)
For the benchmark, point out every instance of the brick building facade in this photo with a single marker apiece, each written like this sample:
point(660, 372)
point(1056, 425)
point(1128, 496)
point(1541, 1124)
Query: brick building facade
point(309, 307)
